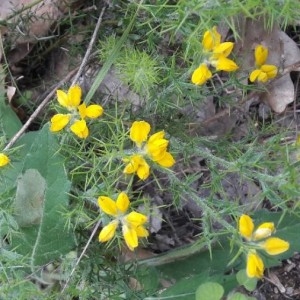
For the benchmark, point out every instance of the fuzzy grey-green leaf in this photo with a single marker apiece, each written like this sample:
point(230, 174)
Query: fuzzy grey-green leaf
point(30, 198)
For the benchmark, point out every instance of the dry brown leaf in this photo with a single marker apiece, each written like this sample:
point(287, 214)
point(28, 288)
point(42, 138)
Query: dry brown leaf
point(10, 92)
point(283, 51)
point(33, 23)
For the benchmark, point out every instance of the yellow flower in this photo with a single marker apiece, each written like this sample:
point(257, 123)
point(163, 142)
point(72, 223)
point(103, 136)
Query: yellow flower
point(59, 122)
point(71, 100)
point(132, 223)
point(137, 164)
point(211, 39)
point(274, 246)
point(92, 111)
point(263, 73)
point(255, 265)
point(271, 245)
point(155, 147)
point(80, 128)
point(217, 53)
point(261, 54)
point(201, 75)
point(4, 160)
point(224, 64)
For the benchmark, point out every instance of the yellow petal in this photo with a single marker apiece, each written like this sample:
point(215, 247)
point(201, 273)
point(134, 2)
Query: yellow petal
point(156, 146)
point(255, 265)
point(80, 128)
point(108, 205)
point(141, 231)
point(62, 98)
point(274, 246)
point(130, 237)
point(211, 39)
point(270, 70)
point(122, 202)
point(225, 64)
point(261, 55)
point(254, 75)
point(263, 231)
point(133, 164)
point(201, 75)
point(59, 122)
point(139, 132)
point(135, 219)
point(224, 49)
point(94, 111)
point(108, 231)
point(74, 95)
point(71, 99)
point(143, 171)
point(167, 161)
point(4, 160)
point(246, 226)
point(137, 164)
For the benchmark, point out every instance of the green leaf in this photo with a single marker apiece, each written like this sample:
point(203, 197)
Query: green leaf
point(49, 238)
point(239, 296)
point(243, 279)
point(9, 121)
point(210, 291)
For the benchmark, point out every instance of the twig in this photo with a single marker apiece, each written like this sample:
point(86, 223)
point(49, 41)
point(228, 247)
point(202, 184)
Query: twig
point(81, 255)
point(90, 46)
point(38, 110)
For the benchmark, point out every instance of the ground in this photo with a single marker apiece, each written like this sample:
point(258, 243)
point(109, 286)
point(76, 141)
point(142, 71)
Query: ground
point(39, 69)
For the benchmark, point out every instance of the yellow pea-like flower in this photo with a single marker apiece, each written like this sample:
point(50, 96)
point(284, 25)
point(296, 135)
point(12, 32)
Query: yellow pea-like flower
point(4, 160)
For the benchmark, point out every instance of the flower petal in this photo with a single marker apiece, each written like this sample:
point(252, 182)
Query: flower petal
point(274, 246)
point(246, 226)
point(224, 49)
point(135, 219)
point(122, 202)
point(157, 146)
point(255, 265)
point(4, 160)
point(108, 231)
point(130, 236)
point(201, 75)
point(261, 55)
point(225, 64)
point(143, 170)
point(62, 98)
point(166, 161)
point(74, 95)
point(80, 128)
point(141, 231)
point(108, 205)
point(137, 164)
point(94, 111)
point(270, 70)
point(139, 132)
point(263, 231)
point(59, 122)
point(254, 75)
point(211, 39)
